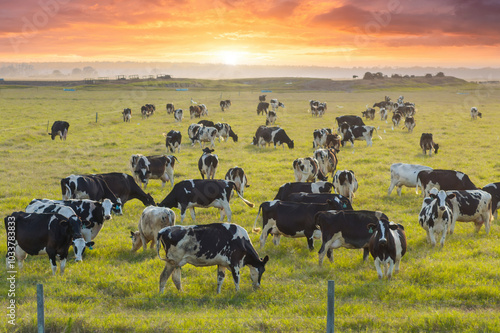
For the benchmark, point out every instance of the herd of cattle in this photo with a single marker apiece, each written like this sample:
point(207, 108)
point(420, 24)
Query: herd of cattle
point(304, 208)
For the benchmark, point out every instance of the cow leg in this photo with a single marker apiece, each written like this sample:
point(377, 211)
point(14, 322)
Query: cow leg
point(325, 249)
point(390, 269)
point(477, 226)
point(443, 237)
point(276, 239)
point(183, 212)
point(379, 269)
point(329, 255)
point(310, 242)
point(165, 274)
point(20, 256)
point(366, 253)
point(53, 263)
point(399, 189)
point(221, 274)
point(396, 265)
point(266, 229)
point(193, 216)
point(62, 265)
point(144, 241)
point(391, 187)
point(235, 270)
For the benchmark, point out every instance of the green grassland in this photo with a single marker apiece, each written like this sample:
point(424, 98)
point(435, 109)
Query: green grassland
point(451, 289)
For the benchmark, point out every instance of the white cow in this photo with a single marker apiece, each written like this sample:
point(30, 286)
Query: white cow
point(405, 174)
point(153, 219)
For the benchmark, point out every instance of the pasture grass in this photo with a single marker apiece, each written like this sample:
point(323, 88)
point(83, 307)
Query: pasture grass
point(451, 289)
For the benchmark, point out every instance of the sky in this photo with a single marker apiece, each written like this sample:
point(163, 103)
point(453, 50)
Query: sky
point(461, 33)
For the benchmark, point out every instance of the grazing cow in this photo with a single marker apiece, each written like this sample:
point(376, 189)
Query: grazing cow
point(427, 143)
point(225, 105)
point(152, 220)
point(307, 170)
point(224, 131)
point(472, 206)
point(127, 115)
point(270, 135)
point(60, 128)
point(292, 219)
point(207, 164)
point(204, 110)
point(170, 108)
point(383, 114)
point(206, 134)
point(238, 176)
point(387, 246)
point(345, 183)
point(125, 188)
point(44, 233)
point(404, 174)
point(396, 119)
point(343, 203)
point(351, 120)
point(327, 160)
point(92, 213)
point(288, 188)
point(409, 124)
point(494, 190)
point(262, 107)
point(160, 167)
point(333, 141)
point(436, 215)
point(319, 137)
point(345, 228)
point(178, 115)
point(262, 98)
point(443, 180)
point(225, 245)
point(369, 113)
point(89, 187)
point(353, 133)
point(406, 110)
point(173, 141)
point(206, 123)
point(474, 113)
point(271, 117)
point(195, 111)
point(193, 131)
point(191, 193)
point(276, 104)
point(147, 110)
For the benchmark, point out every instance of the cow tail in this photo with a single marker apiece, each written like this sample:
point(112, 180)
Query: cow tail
point(68, 190)
point(377, 133)
point(158, 246)
point(248, 203)
point(255, 229)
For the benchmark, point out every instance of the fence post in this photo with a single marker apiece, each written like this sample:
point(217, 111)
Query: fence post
point(96, 117)
point(330, 316)
point(40, 307)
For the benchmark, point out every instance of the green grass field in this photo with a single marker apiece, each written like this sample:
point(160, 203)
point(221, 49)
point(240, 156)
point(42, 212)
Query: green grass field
point(451, 289)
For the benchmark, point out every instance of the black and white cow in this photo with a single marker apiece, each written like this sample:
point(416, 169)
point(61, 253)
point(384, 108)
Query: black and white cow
point(351, 120)
point(271, 118)
point(193, 131)
point(409, 124)
point(92, 213)
point(436, 215)
point(206, 134)
point(170, 108)
point(403, 174)
point(327, 160)
point(276, 135)
point(343, 203)
point(383, 114)
point(276, 104)
point(345, 228)
point(195, 111)
point(206, 123)
point(262, 107)
point(288, 188)
point(147, 110)
point(208, 163)
point(333, 141)
point(494, 190)
point(160, 167)
point(474, 113)
point(396, 119)
point(472, 206)
point(224, 131)
point(225, 104)
point(44, 233)
point(127, 115)
point(443, 180)
point(353, 133)
point(191, 193)
point(345, 183)
point(60, 128)
point(307, 170)
point(173, 141)
point(369, 113)
point(319, 137)
point(178, 115)
point(291, 219)
point(88, 187)
point(387, 246)
point(125, 188)
point(427, 143)
point(262, 98)
point(223, 244)
point(238, 176)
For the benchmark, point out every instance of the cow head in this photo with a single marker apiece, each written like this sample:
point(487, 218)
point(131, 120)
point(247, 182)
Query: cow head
point(256, 272)
point(107, 207)
point(136, 240)
point(207, 151)
point(142, 169)
point(117, 207)
point(381, 229)
point(441, 198)
point(436, 147)
point(290, 144)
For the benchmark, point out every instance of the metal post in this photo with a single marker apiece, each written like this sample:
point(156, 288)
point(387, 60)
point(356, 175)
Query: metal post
point(40, 307)
point(330, 307)
point(96, 117)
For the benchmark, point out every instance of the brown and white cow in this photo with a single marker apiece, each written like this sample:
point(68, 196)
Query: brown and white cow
point(327, 160)
point(409, 124)
point(345, 183)
point(319, 137)
point(225, 104)
point(170, 108)
point(427, 143)
point(238, 176)
point(307, 170)
point(369, 113)
point(152, 220)
point(474, 113)
point(127, 115)
point(207, 164)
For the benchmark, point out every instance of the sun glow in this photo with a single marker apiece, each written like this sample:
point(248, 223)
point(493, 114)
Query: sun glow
point(230, 57)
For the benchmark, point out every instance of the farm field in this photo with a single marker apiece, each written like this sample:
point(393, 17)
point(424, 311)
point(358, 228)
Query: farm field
point(451, 289)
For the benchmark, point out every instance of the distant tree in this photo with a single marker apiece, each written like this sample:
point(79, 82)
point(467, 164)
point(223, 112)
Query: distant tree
point(396, 76)
point(57, 72)
point(440, 74)
point(428, 75)
point(89, 71)
point(378, 75)
point(76, 72)
point(368, 76)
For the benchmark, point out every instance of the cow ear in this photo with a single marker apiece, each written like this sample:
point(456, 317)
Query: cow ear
point(393, 226)
point(451, 196)
point(131, 234)
point(89, 244)
point(265, 260)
